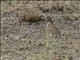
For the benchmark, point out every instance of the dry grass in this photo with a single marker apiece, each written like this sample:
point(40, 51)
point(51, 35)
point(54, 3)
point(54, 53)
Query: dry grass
point(25, 12)
point(29, 13)
point(18, 42)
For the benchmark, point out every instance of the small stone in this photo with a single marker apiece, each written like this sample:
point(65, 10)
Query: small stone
point(29, 41)
point(23, 39)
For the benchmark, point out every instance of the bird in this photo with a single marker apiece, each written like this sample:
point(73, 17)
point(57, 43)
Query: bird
point(51, 29)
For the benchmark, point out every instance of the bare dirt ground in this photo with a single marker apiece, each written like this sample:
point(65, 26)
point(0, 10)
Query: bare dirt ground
point(23, 35)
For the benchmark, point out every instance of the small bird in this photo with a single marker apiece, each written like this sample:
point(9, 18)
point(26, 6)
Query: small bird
point(51, 29)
